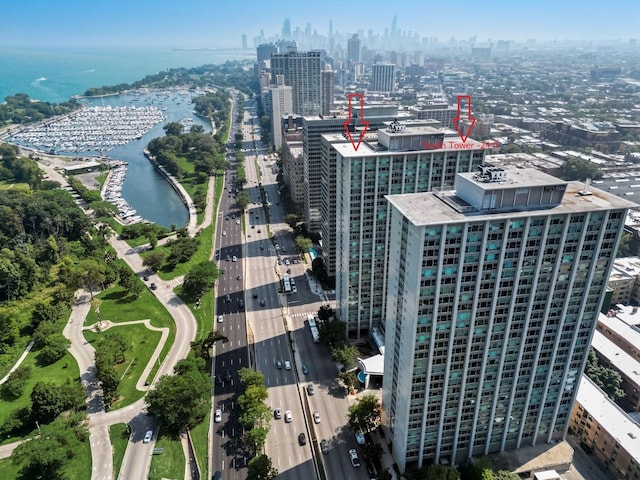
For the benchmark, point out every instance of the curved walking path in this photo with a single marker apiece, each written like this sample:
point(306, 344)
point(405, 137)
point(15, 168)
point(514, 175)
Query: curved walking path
point(142, 384)
point(17, 364)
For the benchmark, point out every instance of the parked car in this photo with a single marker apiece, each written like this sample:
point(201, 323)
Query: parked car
point(353, 456)
point(153, 286)
point(218, 416)
point(147, 436)
point(310, 389)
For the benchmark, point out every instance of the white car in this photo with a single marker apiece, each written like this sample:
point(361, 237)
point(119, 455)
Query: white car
point(234, 259)
point(147, 436)
point(287, 416)
point(287, 262)
point(218, 416)
point(294, 289)
point(237, 222)
point(353, 456)
point(224, 233)
point(287, 365)
point(220, 319)
point(316, 417)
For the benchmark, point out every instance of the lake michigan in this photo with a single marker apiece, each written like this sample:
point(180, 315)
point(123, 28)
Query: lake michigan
point(55, 75)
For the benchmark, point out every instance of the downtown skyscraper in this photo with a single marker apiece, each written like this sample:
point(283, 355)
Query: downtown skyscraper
point(302, 72)
point(494, 291)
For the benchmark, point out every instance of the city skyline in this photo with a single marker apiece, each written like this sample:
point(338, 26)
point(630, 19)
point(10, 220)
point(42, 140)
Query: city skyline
point(74, 23)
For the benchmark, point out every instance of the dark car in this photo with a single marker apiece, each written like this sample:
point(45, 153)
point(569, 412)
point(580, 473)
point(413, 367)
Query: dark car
point(145, 278)
point(324, 446)
point(262, 302)
point(153, 286)
point(241, 303)
point(227, 376)
point(302, 439)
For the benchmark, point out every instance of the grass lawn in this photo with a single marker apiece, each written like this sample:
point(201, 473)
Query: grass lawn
point(78, 468)
point(188, 178)
point(200, 438)
point(117, 308)
point(58, 373)
point(10, 185)
point(141, 344)
point(202, 254)
point(170, 463)
point(119, 438)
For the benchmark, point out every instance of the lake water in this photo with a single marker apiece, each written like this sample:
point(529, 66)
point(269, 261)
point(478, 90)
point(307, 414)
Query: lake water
point(55, 75)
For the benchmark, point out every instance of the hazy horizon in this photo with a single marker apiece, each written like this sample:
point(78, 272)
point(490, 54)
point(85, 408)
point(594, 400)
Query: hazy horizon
point(203, 24)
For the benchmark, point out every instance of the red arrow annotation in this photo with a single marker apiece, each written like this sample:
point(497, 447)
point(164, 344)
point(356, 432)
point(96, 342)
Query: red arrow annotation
point(362, 120)
point(469, 118)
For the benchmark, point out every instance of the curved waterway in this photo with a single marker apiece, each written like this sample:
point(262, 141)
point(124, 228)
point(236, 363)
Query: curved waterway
point(148, 192)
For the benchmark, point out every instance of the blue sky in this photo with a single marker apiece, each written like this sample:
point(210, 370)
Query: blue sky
point(211, 23)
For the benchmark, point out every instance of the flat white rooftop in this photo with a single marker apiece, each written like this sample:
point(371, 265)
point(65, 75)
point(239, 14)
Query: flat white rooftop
point(426, 208)
point(624, 362)
point(612, 419)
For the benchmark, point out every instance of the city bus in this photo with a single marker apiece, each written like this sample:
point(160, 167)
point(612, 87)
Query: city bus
point(314, 328)
point(286, 283)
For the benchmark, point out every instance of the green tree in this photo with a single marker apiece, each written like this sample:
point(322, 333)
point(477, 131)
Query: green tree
point(91, 274)
point(202, 347)
point(55, 346)
point(345, 354)
point(364, 414)
point(13, 388)
point(334, 333)
point(292, 219)
point(441, 472)
point(43, 331)
point(49, 449)
point(505, 475)
point(325, 312)
point(607, 379)
point(303, 243)
point(182, 249)
point(173, 128)
point(180, 401)
point(243, 200)
point(250, 377)
point(261, 468)
point(44, 312)
point(154, 261)
point(48, 400)
point(201, 276)
point(580, 169)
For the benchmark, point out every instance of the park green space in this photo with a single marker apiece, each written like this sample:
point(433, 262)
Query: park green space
point(170, 463)
point(141, 343)
point(9, 185)
point(78, 468)
point(202, 254)
point(119, 438)
point(117, 307)
point(58, 372)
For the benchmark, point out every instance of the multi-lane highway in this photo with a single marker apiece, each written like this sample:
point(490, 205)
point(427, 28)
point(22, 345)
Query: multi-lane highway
point(230, 321)
point(274, 324)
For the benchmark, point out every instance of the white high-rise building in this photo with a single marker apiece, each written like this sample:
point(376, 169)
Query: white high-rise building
point(398, 159)
point(494, 291)
point(281, 105)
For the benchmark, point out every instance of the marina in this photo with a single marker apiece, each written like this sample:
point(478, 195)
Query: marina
point(95, 128)
point(112, 192)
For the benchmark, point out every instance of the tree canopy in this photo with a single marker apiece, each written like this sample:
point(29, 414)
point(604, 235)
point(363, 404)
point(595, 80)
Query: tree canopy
point(364, 414)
